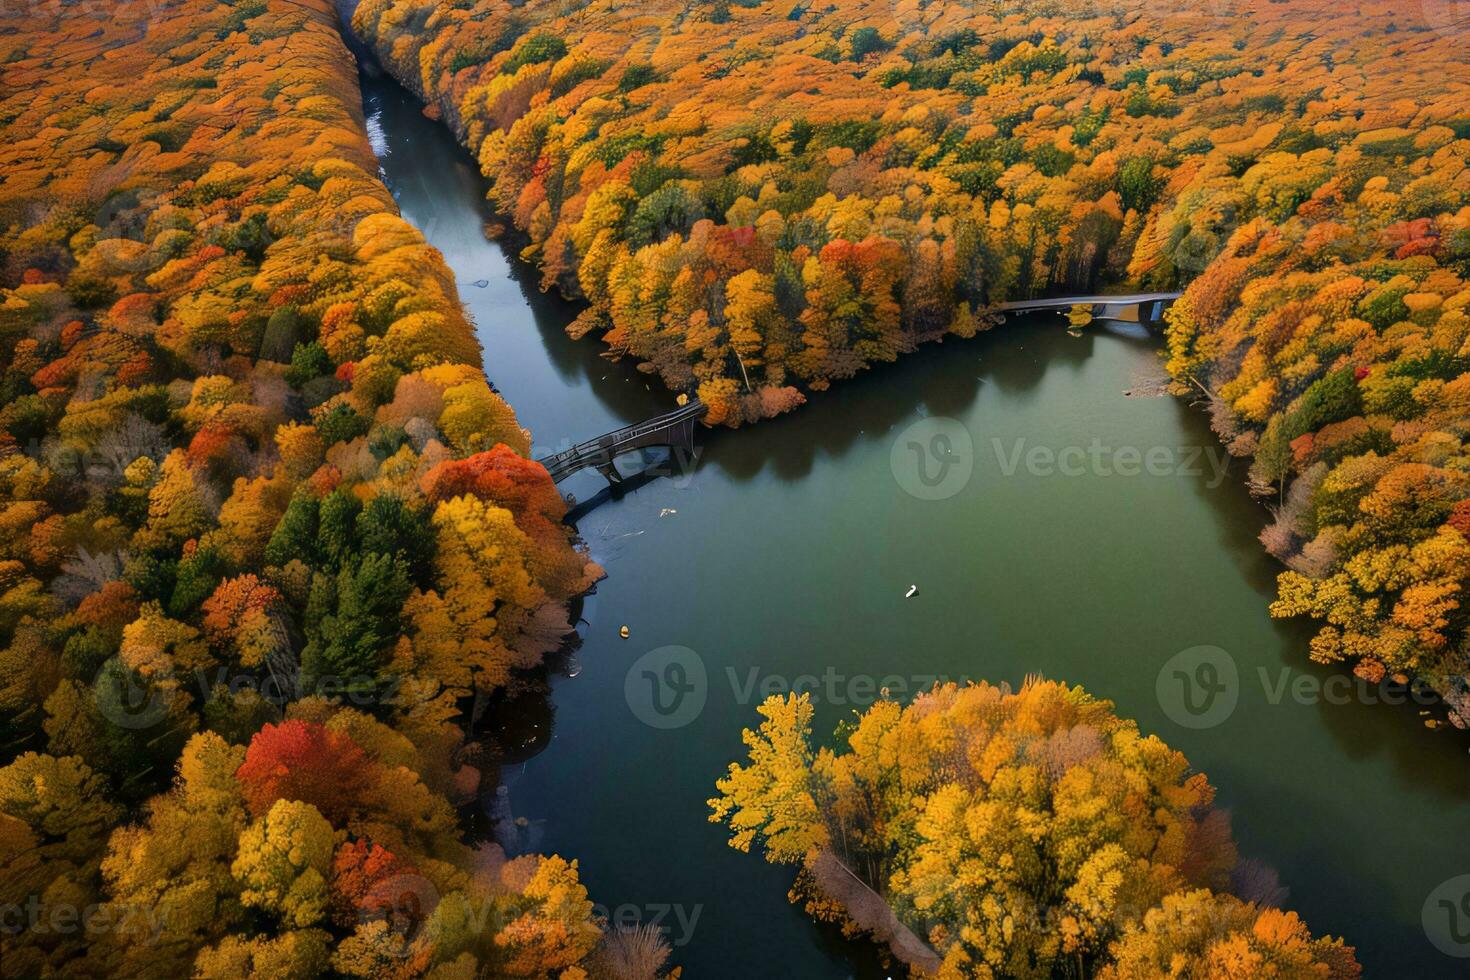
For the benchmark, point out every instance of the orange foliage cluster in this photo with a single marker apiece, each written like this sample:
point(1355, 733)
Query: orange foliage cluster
point(298, 760)
point(265, 530)
point(759, 199)
point(1346, 379)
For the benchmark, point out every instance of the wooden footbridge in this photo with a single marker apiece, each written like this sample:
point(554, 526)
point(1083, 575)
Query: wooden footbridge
point(674, 429)
point(1151, 306)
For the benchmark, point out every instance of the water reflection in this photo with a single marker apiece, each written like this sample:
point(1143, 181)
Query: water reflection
point(938, 379)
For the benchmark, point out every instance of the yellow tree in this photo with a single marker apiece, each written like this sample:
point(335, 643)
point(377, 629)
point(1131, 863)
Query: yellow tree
point(1201, 934)
point(284, 862)
point(177, 862)
point(464, 632)
point(771, 799)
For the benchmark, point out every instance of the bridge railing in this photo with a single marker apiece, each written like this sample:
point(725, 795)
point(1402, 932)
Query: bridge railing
point(610, 441)
point(1058, 302)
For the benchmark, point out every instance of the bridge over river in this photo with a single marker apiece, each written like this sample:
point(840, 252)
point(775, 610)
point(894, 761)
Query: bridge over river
point(1151, 306)
point(675, 429)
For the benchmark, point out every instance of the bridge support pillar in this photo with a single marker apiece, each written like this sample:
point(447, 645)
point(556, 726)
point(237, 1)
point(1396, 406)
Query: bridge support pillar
point(683, 441)
point(610, 471)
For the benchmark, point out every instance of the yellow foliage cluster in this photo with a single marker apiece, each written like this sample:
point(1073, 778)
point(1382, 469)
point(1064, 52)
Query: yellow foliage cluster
point(1019, 834)
point(1334, 340)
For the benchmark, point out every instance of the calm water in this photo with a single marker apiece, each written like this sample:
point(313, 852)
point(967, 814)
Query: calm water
point(788, 553)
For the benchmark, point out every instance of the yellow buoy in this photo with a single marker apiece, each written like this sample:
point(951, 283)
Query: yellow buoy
point(623, 632)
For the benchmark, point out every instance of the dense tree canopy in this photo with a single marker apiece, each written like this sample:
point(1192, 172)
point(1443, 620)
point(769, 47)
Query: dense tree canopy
point(757, 199)
point(1332, 344)
point(266, 531)
point(1031, 834)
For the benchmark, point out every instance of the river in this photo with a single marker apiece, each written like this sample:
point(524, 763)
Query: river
point(788, 551)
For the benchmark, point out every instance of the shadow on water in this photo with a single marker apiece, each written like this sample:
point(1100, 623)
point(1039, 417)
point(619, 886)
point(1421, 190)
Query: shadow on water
point(942, 379)
point(659, 469)
point(937, 379)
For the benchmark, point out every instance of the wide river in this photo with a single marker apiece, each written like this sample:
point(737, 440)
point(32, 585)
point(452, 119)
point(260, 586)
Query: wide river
point(787, 554)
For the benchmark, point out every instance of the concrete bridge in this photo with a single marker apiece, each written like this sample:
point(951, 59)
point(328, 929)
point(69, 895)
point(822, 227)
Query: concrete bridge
point(1151, 306)
point(674, 430)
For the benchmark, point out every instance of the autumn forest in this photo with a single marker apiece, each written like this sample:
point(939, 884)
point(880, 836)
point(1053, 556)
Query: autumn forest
point(277, 558)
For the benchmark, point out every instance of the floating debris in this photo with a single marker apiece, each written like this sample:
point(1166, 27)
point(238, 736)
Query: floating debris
point(482, 283)
point(1150, 382)
point(624, 632)
point(913, 591)
point(666, 511)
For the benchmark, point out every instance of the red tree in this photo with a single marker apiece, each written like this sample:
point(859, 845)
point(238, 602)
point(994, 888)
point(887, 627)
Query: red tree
point(302, 760)
point(366, 880)
point(503, 477)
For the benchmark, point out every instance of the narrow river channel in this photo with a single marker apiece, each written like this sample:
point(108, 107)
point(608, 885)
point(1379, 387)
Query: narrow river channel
point(789, 550)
